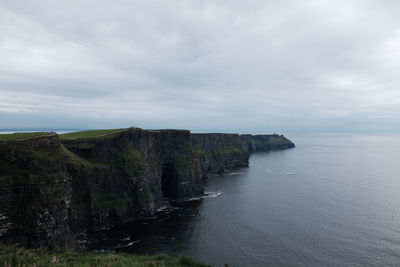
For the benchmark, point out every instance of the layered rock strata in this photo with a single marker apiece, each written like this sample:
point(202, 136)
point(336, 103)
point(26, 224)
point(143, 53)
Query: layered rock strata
point(52, 189)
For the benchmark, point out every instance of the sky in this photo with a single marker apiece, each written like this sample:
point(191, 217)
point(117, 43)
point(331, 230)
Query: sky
point(229, 66)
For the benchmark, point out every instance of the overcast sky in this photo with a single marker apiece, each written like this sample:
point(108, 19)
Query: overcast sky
point(230, 66)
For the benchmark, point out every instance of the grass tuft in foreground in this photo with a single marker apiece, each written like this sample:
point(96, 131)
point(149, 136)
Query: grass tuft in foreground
point(12, 256)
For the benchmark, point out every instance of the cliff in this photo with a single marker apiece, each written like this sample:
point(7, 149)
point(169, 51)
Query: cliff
point(258, 143)
point(128, 174)
point(35, 194)
point(52, 189)
point(219, 153)
point(55, 187)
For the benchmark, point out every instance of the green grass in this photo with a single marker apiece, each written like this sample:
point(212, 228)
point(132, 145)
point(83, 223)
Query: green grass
point(229, 149)
point(199, 151)
point(10, 256)
point(89, 134)
point(21, 136)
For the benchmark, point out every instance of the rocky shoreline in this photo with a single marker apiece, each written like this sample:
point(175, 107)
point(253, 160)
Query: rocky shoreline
point(55, 187)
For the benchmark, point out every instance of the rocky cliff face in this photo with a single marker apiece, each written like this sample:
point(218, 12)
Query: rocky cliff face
point(219, 153)
point(258, 143)
point(35, 194)
point(128, 175)
point(52, 189)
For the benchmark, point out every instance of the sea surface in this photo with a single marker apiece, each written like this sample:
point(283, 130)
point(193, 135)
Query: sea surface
point(334, 200)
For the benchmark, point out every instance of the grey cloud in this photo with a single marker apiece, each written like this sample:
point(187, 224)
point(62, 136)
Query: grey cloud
point(204, 65)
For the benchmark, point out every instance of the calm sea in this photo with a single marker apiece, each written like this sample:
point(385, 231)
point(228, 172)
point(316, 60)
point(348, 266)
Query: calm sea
point(334, 200)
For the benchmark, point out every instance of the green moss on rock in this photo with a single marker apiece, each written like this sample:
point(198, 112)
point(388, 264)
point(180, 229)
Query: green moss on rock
point(230, 149)
point(199, 151)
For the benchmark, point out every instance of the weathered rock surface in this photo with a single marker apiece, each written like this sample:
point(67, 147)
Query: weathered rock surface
point(52, 189)
point(127, 176)
point(35, 194)
point(219, 153)
point(258, 143)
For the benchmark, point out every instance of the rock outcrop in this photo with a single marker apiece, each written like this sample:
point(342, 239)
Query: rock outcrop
point(52, 189)
point(219, 153)
point(35, 194)
point(267, 142)
point(128, 175)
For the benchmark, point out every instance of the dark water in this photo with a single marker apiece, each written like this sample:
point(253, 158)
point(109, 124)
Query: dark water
point(334, 200)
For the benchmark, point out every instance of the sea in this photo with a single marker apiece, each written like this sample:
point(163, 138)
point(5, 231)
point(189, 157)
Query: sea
point(334, 200)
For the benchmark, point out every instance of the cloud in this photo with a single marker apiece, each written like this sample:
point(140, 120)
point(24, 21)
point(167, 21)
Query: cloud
point(247, 66)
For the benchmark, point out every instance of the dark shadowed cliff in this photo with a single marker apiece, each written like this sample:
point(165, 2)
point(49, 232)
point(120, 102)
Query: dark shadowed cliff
point(219, 153)
point(55, 187)
point(35, 193)
point(127, 175)
point(258, 143)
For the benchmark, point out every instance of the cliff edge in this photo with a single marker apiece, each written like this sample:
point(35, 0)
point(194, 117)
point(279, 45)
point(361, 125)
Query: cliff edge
point(53, 187)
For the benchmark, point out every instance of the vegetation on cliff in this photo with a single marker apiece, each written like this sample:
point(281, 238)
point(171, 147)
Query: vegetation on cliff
point(13, 256)
point(256, 143)
point(90, 134)
point(54, 187)
point(22, 136)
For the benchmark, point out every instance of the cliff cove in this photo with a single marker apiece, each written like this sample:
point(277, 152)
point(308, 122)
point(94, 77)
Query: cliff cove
point(55, 187)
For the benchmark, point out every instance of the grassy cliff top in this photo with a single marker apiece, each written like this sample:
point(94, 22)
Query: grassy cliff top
point(66, 136)
point(10, 256)
point(90, 134)
point(22, 136)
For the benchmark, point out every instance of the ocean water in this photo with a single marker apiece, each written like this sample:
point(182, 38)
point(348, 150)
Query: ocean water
point(334, 200)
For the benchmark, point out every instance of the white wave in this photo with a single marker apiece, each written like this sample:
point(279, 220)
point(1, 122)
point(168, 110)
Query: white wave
point(233, 173)
point(194, 198)
point(126, 245)
point(130, 244)
point(162, 208)
point(167, 209)
point(206, 194)
point(126, 238)
point(212, 194)
point(290, 173)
